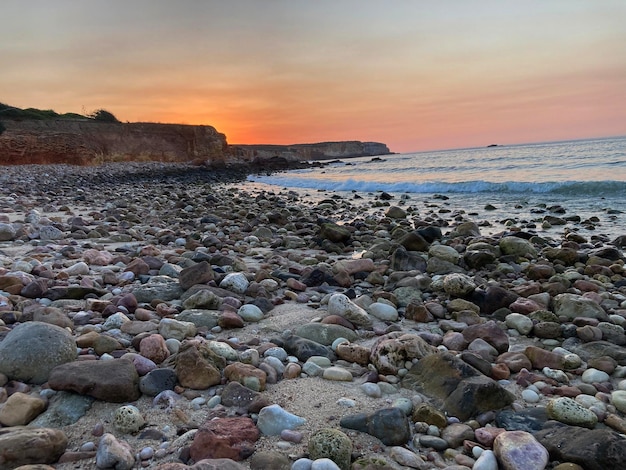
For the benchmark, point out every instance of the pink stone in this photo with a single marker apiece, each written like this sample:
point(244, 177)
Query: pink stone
point(486, 436)
point(154, 348)
point(230, 438)
point(525, 306)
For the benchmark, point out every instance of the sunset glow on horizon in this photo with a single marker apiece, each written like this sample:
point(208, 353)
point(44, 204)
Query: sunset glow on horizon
point(415, 75)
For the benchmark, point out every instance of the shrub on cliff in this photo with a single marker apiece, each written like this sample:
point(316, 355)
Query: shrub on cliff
point(103, 115)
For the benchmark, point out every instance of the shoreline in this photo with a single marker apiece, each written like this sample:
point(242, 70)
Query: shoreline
point(93, 246)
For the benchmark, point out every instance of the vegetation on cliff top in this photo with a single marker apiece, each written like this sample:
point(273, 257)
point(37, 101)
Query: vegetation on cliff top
point(17, 114)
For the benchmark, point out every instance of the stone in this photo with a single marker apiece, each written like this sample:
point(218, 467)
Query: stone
point(323, 333)
point(64, 408)
point(353, 353)
point(392, 351)
point(170, 328)
point(247, 375)
point(596, 449)
point(519, 450)
point(157, 380)
point(426, 413)
point(461, 390)
point(199, 317)
point(455, 433)
point(338, 374)
point(199, 273)
point(273, 419)
point(340, 304)
point(334, 233)
point(568, 411)
point(266, 459)
point(20, 409)
point(390, 425)
point(225, 438)
point(458, 285)
point(50, 232)
point(203, 299)
point(403, 260)
point(31, 361)
point(519, 322)
point(529, 419)
point(114, 454)
point(406, 458)
point(332, 444)
point(383, 311)
point(113, 381)
point(490, 332)
point(7, 232)
point(146, 293)
point(414, 241)
point(235, 282)
point(154, 348)
point(250, 313)
point(17, 449)
point(128, 420)
point(197, 366)
point(486, 461)
point(517, 247)
point(571, 306)
point(618, 399)
point(304, 348)
point(237, 395)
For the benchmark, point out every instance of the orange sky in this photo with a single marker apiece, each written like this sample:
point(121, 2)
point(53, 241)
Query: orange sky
point(413, 74)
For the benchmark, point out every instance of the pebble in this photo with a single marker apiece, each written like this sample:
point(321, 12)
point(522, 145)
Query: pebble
point(274, 419)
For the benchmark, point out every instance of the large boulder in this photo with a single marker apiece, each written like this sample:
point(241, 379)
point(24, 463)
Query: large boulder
point(460, 389)
point(22, 445)
point(32, 349)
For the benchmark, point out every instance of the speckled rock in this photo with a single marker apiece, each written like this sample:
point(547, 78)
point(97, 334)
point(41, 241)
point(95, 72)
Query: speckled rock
point(128, 420)
point(392, 351)
point(332, 444)
point(571, 306)
point(568, 411)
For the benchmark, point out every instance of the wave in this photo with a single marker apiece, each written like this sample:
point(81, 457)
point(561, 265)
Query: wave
point(563, 188)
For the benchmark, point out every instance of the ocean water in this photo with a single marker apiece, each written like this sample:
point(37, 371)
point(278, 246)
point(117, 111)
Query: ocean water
point(522, 183)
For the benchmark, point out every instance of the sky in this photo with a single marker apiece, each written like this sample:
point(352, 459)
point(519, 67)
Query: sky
point(414, 74)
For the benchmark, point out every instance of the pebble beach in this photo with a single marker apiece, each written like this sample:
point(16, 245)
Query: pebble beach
point(168, 316)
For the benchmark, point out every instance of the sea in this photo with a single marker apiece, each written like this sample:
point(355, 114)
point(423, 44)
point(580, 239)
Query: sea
point(500, 187)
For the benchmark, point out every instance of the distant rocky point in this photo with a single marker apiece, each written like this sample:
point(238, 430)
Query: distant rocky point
point(43, 137)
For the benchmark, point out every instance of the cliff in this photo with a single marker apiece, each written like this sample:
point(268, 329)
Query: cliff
point(304, 152)
point(85, 142)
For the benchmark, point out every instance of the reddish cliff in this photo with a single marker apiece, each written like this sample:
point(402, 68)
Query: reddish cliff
point(85, 142)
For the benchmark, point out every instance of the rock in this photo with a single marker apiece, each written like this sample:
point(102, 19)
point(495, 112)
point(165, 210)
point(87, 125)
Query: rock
point(157, 380)
point(237, 395)
point(304, 348)
point(64, 408)
point(20, 445)
point(353, 353)
point(391, 352)
point(529, 419)
point(490, 332)
point(263, 460)
point(618, 399)
point(113, 381)
point(571, 306)
point(146, 293)
point(170, 328)
point(235, 282)
point(332, 444)
point(250, 313)
point(395, 212)
point(128, 420)
point(50, 232)
point(338, 374)
point(414, 241)
point(383, 311)
point(7, 232)
point(426, 413)
point(462, 391)
point(492, 299)
point(154, 348)
point(199, 317)
point(407, 458)
point(114, 454)
point(390, 425)
point(20, 409)
point(458, 285)
point(334, 233)
point(197, 366)
point(340, 304)
point(518, 247)
point(230, 438)
point(403, 260)
point(323, 333)
point(203, 299)
point(486, 461)
point(273, 420)
point(247, 375)
point(568, 411)
point(199, 273)
point(597, 449)
point(541, 358)
point(324, 464)
point(519, 450)
point(31, 361)
point(455, 433)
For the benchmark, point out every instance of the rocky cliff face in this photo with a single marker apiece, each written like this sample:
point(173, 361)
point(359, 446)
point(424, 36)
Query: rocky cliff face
point(84, 142)
point(319, 151)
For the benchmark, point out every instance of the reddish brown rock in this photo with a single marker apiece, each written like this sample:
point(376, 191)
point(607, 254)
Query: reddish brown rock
point(114, 380)
point(154, 348)
point(20, 409)
point(199, 273)
point(138, 266)
point(353, 353)
point(490, 332)
point(524, 306)
point(515, 361)
point(229, 320)
point(230, 438)
point(197, 366)
point(541, 358)
point(21, 445)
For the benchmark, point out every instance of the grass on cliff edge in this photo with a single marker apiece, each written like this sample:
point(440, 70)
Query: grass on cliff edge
point(17, 114)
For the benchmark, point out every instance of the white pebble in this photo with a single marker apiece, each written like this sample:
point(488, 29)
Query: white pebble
point(530, 396)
